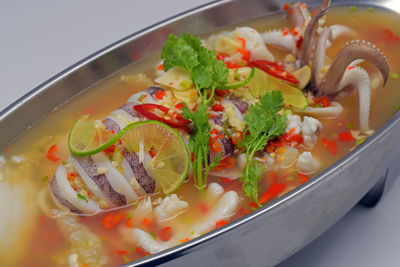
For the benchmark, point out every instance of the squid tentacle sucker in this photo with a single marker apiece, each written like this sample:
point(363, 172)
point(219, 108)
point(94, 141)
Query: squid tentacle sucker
point(341, 79)
point(350, 52)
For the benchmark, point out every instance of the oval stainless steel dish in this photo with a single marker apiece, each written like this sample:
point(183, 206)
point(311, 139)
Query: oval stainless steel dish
point(289, 223)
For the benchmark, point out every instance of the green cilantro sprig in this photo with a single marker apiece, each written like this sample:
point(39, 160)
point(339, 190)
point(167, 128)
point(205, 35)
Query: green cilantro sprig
point(198, 144)
point(206, 71)
point(263, 124)
point(208, 74)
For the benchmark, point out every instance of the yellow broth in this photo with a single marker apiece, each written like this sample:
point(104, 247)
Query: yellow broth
point(44, 245)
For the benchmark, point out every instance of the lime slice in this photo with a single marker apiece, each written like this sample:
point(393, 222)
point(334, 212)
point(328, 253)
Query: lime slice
point(170, 164)
point(263, 82)
point(89, 137)
point(303, 75)
point(258, 85)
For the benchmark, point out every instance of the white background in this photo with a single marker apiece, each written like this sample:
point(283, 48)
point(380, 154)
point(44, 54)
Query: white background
point(38, 39)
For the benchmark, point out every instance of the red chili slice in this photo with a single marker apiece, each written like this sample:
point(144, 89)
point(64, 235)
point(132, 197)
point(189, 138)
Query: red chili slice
point(275, 70)
point(324, 101)
point(346, 136)
point(51, 153)
point(147, 110)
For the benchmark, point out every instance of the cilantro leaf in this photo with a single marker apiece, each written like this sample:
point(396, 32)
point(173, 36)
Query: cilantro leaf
point(199, 143)
point(187, 51)
point(176, 52)
point(263, 124)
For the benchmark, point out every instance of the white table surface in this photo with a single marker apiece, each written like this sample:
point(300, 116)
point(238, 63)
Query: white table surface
point(41, 38)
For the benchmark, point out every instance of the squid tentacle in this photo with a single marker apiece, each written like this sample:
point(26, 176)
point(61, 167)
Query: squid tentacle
point(278, 38)
point(334, 110)
point(350, 52)
point(358, 78)
point(340, 30)
point(310, 38)
point(319, 56)
point(325, 39)
point(298, 15)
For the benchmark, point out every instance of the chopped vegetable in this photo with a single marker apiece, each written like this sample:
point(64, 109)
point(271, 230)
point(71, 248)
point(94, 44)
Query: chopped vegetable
point(263, 124)
point(218, 107)
point(45, 178)
point(109, 150)
point(128, 223)
point(70, 176)
point(165, 233)
point(275, 70)
point(150, 110)
point(272, 192)
point(51, 153)
point(203, 208)
point(141, 251)
point(111, 220)
point(244, 211)
point(82, 197)
point(120, 252)
point(394, 75)
point(346, 136)
point(185, 240)
point(254, 205)
point(360, 141)
point(330, 145)
point(179, 106)
point(324, 101)
point(160, 94)
point(303, 178)
point(148, 223)
point(350, 126)
point(153, 235)
point(221, 223)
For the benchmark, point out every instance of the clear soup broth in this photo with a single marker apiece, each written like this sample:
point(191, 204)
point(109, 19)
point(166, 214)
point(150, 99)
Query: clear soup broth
point(36, 236)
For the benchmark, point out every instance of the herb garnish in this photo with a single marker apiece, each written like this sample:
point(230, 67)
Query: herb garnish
point(208, 74)
point(82, 197)
point(206, 71)
point(263, 124)
point(199, 144)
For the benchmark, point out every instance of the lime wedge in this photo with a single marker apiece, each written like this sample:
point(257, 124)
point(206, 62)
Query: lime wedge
point(89, 137)
point(263, 82)
point(303, 75)
point(170, 164)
